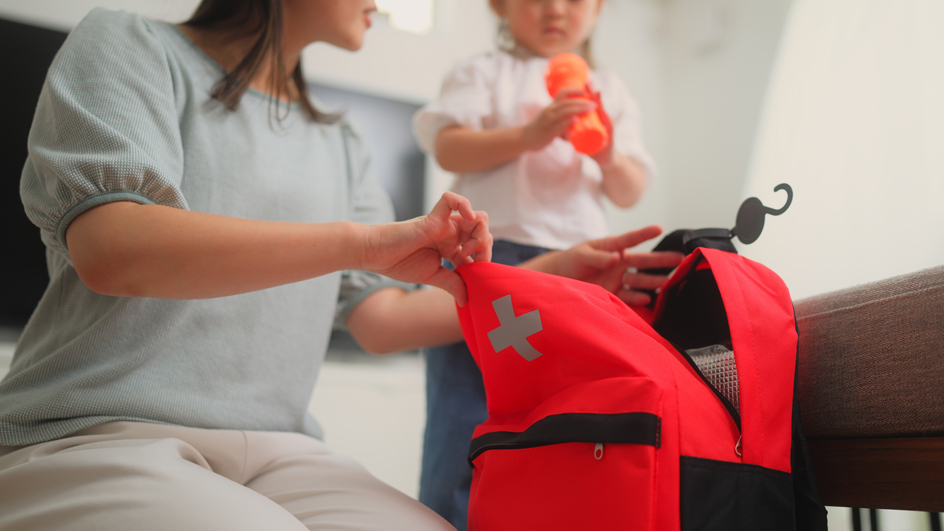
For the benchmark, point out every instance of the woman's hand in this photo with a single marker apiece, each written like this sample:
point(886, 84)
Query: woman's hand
point(607, 262)
point(412, 251)
point(554, 119)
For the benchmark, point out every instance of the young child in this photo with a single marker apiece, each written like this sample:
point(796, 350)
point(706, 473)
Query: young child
point(495, 125)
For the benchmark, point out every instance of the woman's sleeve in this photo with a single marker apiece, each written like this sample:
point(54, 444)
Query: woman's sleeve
point(464, 99)
point(627, 123)
point(105, 128)
point(370, 204)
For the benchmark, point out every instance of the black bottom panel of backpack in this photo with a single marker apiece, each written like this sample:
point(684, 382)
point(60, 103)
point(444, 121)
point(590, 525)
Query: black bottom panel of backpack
point(723, 496)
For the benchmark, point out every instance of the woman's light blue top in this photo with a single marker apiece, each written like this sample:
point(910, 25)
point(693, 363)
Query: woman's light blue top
point(126, 115)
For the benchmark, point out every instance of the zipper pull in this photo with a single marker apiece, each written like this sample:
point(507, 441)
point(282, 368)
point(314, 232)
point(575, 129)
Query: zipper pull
point(737, 447)
point(598, 451)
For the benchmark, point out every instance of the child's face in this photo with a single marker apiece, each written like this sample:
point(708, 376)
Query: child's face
point(549, 27)
point(338, 22)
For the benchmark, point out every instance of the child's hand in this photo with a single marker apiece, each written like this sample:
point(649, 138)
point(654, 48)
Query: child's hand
point(554, 119)
point(411, 251)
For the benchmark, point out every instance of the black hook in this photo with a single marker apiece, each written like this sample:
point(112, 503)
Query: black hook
point(750, 217)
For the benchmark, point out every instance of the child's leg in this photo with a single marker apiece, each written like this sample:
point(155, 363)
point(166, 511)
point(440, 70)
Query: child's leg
point(144, 476)
point(455, 405)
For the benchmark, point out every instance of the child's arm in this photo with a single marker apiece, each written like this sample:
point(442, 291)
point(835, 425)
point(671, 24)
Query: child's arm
point(128, 249)
point(624, 179)
point(464, 150)
point(392, 320)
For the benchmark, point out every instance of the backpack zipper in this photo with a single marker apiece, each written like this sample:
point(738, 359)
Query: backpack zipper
point(724, 401)
point(594, 428)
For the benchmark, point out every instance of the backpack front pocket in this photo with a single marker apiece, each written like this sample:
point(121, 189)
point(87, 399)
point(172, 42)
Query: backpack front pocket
point(570, 464)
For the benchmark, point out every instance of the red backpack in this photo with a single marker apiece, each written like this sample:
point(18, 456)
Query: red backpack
point(604, 418)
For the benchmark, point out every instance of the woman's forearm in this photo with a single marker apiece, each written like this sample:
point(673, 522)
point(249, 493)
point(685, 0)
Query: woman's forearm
point(127, 249)
point(464, 150)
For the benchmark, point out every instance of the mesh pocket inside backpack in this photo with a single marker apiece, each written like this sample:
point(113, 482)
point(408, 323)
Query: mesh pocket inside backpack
point(717, 364)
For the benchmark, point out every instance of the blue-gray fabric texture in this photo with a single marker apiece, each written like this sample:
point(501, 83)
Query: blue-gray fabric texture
point(126, 115)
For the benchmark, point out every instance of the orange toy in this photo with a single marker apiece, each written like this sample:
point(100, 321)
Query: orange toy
point(570, 71)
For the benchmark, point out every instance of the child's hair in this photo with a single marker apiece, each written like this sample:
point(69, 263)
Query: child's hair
point(505, 42)
point(250, 17)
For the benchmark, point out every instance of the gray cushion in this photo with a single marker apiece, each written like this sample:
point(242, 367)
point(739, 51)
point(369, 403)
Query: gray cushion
point(871, 359)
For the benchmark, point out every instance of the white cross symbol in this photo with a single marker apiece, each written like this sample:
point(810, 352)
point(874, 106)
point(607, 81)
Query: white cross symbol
point(514, 331)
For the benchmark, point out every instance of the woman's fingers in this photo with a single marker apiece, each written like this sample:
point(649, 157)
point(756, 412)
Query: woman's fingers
point(452, 202)
point(451, 283)
point(480, 244)
point(474, 238)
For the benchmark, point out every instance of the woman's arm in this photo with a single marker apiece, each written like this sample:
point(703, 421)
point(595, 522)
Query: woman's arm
point(391, 320)
point(127, 249)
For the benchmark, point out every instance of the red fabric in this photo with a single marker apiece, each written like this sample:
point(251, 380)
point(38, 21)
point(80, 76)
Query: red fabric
point(599, 356)
point(590, 341)
point(760, 315)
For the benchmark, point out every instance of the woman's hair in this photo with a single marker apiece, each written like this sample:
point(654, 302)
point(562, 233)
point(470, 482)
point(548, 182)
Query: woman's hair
point(262, 17)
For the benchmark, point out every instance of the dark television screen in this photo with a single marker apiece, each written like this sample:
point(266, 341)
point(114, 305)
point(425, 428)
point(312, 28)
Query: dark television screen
point(29, 51)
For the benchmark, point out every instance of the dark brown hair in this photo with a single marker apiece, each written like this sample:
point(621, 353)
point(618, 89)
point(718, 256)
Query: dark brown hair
point(262, 17)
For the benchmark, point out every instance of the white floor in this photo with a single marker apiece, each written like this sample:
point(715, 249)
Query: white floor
point(375, 412)
point(373, 409)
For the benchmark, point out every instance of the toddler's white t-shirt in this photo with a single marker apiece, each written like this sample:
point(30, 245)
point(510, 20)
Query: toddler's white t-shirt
point(550, 198)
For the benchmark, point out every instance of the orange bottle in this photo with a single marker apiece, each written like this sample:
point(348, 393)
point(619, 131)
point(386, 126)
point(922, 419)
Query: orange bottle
point(570, 71)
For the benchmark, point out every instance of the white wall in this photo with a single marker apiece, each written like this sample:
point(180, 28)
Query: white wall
point(629, 41)
point(404, 65)
point(718, 56)
point(855, 122)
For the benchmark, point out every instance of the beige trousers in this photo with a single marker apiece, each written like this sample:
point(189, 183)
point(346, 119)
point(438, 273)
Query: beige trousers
point(142, 477)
